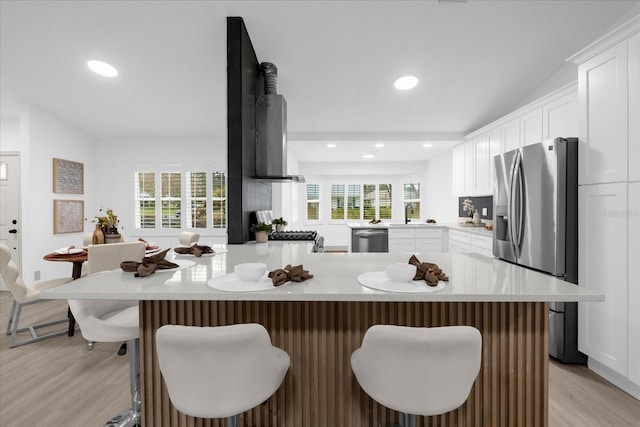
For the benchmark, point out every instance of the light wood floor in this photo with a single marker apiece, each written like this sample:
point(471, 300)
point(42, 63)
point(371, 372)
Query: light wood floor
point(58, 383)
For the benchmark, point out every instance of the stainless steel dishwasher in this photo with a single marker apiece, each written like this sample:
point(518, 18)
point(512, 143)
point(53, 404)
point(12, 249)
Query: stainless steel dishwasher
point(370, 240)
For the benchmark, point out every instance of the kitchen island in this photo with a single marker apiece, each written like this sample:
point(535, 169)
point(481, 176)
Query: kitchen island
point(320, 322)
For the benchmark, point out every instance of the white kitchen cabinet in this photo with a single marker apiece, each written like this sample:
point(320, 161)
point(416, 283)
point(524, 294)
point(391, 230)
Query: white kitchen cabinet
point(560, 117)
point(459, 241)
point(415, 239)
point(482, 183)
point(495, 149)
point(469, 168)
point(531, 127)
point(634, 107)
point(458, 170)
point(602, 252)
point(462, 241)
point(510, 135)
point(634, 283)
point(603, 130)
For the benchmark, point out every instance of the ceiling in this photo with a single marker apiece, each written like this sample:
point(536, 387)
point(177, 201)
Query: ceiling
point(337, 61)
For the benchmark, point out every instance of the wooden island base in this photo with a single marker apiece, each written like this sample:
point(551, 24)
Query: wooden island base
point(320, 389)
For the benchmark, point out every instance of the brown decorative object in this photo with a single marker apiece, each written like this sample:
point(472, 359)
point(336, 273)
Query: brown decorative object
point(68, 216)
point(98, 236)
point(68, 177)
point(320, 390)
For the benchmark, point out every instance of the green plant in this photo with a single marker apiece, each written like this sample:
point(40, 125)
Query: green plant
point(279, 221)
point(261, 226)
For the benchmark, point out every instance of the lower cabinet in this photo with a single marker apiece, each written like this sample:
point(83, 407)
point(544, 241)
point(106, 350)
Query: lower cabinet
point(603, 327)
point(462, 241)
point(415, 240)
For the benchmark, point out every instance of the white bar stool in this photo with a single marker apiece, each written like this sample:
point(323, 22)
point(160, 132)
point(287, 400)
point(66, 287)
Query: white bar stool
point(114, 321)
point(219, 372)
point(418, 371)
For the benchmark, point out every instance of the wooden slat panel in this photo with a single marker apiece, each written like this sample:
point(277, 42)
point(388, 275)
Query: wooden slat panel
point(320, 388)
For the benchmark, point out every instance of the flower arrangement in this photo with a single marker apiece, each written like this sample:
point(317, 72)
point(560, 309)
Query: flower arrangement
point(467, 206)
point(107, 223)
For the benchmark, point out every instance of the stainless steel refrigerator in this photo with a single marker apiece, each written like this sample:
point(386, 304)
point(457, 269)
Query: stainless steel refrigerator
point(536, 225)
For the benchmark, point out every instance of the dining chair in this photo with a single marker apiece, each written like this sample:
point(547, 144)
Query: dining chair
point(417, 370)
point(221, 371)
point(23, 295)
point(188, 239)
point(108, 257)
point(114, 321)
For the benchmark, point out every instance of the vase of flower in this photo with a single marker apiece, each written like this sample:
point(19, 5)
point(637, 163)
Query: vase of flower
point(476, 217)
point(262, 231)
point(112, 238)
point(280, 224)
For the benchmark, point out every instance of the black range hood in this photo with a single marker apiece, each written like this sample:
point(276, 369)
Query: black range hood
point(271, 131)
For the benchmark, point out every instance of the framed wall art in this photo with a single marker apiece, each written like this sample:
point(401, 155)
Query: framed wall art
point(68, 216)
point(68, 177)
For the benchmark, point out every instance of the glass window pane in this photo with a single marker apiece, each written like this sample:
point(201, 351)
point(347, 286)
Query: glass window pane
point(384, 198)
point(411, 198)
point(198, 214)
point(313, 210)
point(145, 204)
point(171, 214)
point(353, 201)
point(369, 201)
point(337, 201)
point(219, 195)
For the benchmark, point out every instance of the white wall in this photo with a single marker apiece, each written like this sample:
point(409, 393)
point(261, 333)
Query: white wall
point(119, 159)
point(43, 137)
point(437, 192)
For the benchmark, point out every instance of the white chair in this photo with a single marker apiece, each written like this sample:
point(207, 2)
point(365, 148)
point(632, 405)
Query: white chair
point(108, 257)
point(24, 295)
point(219, 372)
point(418, 371)
point(114, 321)
point(188, 239)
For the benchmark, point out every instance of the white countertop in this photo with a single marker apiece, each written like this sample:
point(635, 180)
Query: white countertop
point(473, 277)
point(422, 225)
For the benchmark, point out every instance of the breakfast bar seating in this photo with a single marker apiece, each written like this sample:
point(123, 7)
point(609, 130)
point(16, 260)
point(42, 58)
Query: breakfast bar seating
point(320, 322)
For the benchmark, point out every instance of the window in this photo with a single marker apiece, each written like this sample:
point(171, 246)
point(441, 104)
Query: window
point(384, 201)
point(171, 199)
point(366, 201)
point(145, 199)
point(190, 207)
point(353, 201)
point(411, 198)
point(337, 201)
point(313, 201)
point(219, 196)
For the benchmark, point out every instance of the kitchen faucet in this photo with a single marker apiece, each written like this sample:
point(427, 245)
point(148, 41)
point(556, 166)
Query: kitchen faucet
point(406, 215)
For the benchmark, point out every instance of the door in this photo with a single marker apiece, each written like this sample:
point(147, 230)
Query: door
point(10, 204)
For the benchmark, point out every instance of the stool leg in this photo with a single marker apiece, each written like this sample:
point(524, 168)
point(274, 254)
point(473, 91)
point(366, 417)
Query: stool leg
point(408, 420)
point(232, 421)
point(131, 418)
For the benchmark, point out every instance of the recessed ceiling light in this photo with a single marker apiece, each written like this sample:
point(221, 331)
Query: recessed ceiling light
point(368, 156)
point(379, 145)
point(406, 82)
point(102, 68)
point(331, 145)
point(427, 145)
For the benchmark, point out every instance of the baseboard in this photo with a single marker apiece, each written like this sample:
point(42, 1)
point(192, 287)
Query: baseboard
point(614, 378)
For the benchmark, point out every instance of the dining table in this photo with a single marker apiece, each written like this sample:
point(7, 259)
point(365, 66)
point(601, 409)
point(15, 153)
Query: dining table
point(77, 259)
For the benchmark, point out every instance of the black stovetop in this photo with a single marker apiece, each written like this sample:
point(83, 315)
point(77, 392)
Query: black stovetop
point(293, 235)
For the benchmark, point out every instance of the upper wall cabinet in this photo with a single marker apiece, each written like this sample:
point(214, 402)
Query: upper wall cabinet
point(603, 132)
point(531, 127)
point(560, 117)
point(510, 135)
point(634, 107)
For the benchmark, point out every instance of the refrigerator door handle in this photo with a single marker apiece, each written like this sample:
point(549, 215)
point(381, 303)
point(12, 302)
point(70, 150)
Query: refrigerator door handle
point(511, 204)
point(520, 217)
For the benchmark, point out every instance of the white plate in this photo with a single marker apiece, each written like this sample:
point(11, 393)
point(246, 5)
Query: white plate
point(378, 280)
point(231, 283)
point(67, 251)
point(217, 252)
